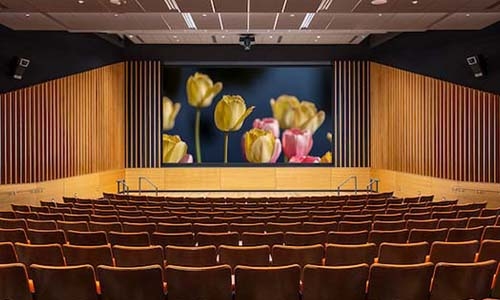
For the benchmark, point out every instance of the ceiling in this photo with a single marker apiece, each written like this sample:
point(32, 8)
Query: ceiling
point(272, 21)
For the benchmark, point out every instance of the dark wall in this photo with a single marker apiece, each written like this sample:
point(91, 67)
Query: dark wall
point(52, 55)
point(442, 54)
point(235, 53)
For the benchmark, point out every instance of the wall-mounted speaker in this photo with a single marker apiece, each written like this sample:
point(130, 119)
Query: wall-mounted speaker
point(20, 67)
point(477, 66)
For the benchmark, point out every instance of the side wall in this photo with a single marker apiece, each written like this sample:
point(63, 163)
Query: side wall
point(63, 128)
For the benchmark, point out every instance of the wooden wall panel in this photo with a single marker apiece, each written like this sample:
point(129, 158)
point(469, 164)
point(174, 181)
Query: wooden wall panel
point(62, 128)
point(351, 114)
point(143, 123)
point(429, 127)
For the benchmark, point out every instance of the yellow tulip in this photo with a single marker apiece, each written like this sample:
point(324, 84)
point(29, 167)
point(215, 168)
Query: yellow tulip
point(261, 146)
point(327, 158)
point(170, 111)
point(292, 113)
point(174, 149)
point(284, 110)
point(230, 112)
point(201, 90)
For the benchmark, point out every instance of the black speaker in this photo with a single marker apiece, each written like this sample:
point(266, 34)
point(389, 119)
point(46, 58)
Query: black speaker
point(477, 66)
point(20, 67)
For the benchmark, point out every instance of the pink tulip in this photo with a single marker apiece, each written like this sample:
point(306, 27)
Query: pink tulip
point(297, 142)
point(187, 159)
point(305, 159)
point(268, 124)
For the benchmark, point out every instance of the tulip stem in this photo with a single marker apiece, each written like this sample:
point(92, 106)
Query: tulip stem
point(197, 136)
point(226, 142)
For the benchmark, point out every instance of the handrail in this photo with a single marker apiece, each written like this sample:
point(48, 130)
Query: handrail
point(346, 181)
point(370, 184)
point(122, 183)
point(14, 192)
point(478, 191)
point(149, 181)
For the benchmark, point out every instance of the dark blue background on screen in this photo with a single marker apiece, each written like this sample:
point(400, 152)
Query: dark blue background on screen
point(257, 85)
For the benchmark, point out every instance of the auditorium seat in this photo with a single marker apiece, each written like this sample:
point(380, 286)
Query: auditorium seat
point(419, 210)
point(91, 255)
point(283, 227)
point(468, 213)
point(409, 282)
point(49, 254)
point(14, 281)
point(83, 238)
point(454, 252)
point(204, 256)
point(20, 207)
point(129, 238)
point(394, 236)
point(131, 283)
point(326, 218)
point(247, 227)
point(341, 282)
point(389, 225)
point(465, 234)
point(207, 283)
point(174, 227)
point(13, 235)
point(489, 249)
point(495, 293)
point(105, 226)
point(46, 236)
point(156, 220)
point(174, 239)
point(489, 212)
point(347, 237)
point(491, 233)
point(138, 256)
point(7, 214)
point(50, 216)
point(355, 226)
point(256, 256)
point(300, 255)
point(60, 210)
point(75, 226)
point(357, 218)
point(463, 280)
point(105, 213)
point(217, 239)
point(210, 228)
point(427, 235)
point(132, 216)
point(41, 224)
point(481, 221)
point(319, 226)
point(47, 203)
point(257, 238)
point(62, 283)
point(7, 253)
point(387, 218)
point(263, 283)
point(76, 218)
point(139, 227)
point(401, 254)
point(185, 219)
point(29, 215)
point(343, 255)
point(13, 224)
point(305, 238)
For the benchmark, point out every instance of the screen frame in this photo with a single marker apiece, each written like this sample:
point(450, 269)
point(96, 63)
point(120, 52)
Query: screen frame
point(250, 64)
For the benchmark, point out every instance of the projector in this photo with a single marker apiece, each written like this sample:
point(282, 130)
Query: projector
point(247, 40)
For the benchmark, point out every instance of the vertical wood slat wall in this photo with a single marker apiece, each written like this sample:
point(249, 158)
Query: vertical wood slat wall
point(430, 127)
point(143, 113)
point(62, 128)
point(351, 114)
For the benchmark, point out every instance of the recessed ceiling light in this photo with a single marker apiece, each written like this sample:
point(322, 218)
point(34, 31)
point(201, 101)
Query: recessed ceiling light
point(27, 15)
point(292, 15)
point(270, 36)
point(414, 2)
point(467, 15)
point(175, 36)
point(380, 15)
point(379, 2)
point(315, 41)
point(204, 15)
point(130, 36)
point(223, 36)
point(318, 37)
point(81, 1)
point(116, 15)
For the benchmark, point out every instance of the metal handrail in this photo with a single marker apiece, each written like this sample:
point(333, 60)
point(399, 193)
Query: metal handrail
point(346, 181)
point(122, 183)
point(370, 184)
point(149, 181)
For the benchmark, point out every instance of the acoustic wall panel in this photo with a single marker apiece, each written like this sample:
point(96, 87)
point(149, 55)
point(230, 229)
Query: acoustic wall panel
point(143, 111)
point(351, 114)
point(62, 128)
point(430, 127)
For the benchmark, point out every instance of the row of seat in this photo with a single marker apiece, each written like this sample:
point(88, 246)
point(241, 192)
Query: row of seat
point(262, 255)
point(356, 282)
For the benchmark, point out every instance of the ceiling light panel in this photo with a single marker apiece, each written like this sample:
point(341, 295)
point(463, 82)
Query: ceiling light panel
point(266, 6)
point(262, 21)
point(206, 21)
point(234, 21)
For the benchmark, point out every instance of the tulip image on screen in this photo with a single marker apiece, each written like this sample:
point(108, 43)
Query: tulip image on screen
point(289, 117)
